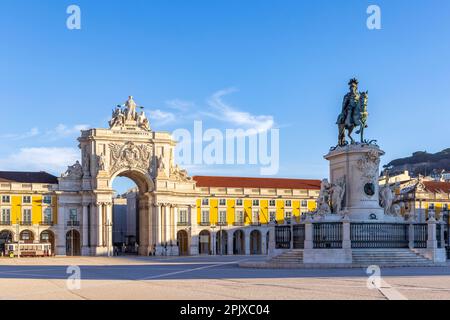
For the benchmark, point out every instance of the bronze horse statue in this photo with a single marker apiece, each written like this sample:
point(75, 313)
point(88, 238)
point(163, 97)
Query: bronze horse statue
point(358, 118)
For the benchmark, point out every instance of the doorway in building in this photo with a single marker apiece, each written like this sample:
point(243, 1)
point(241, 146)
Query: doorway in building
point(255, 242)
point(222, 242)
point(73, 243)
point(238, 242)
point(6, 236)
point(204, 242)
point(183, 243)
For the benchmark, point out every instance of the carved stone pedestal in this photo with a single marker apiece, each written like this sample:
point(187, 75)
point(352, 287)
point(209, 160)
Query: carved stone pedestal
point(358, 166)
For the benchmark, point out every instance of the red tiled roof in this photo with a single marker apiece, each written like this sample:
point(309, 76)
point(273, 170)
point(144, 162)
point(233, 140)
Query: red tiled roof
point(27, 177)
point(437, 186)
point(241, 182)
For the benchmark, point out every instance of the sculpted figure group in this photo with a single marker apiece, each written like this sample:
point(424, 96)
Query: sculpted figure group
point(127, 112)
point(331, 197)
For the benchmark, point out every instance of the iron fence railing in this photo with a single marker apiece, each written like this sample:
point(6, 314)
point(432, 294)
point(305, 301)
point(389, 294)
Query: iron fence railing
point(379, 235)
point(282, 237)
point(327, 235)
point(420, 235)
point(299, 236)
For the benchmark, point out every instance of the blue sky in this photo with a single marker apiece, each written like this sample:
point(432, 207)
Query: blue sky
point(284, 61)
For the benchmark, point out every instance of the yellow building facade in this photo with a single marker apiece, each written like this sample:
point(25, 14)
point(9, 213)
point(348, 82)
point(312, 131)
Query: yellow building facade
point(28, 207)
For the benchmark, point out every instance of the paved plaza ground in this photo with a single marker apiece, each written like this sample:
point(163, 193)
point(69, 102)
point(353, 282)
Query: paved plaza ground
point(204, 278)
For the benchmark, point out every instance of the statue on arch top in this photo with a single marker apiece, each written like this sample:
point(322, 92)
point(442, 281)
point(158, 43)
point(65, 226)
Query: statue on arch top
point(125, 115)
point(354, 114)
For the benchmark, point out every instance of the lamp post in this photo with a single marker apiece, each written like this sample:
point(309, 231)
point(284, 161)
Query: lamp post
point(18, 238)
point(213, 226)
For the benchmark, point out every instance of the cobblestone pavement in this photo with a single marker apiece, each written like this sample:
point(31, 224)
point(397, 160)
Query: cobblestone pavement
point(207, 278)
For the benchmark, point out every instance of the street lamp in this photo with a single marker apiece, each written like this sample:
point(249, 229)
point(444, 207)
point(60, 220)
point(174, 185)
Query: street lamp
point(18, 237)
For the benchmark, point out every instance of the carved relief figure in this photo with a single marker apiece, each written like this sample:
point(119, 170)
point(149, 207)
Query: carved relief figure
point(386, 198)
point(101, 165)
point(323, 200)
point(130, 155)
point(337, 195)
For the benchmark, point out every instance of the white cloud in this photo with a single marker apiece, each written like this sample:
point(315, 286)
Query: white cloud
point(242, 119)
point(180, 105)
point(54, 160)
point(20, 136)
point(63, 130)
point(161, 117)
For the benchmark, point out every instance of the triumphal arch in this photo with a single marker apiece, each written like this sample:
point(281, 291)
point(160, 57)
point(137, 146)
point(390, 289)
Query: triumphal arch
point(128, 148)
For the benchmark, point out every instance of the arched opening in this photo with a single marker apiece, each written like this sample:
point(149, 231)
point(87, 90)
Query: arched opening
point(73, 243)
point(182, 242)
point(204, 242)
point(48, 236)
point(238, 242)
point(222, 242)
point(27, 236)
point(129, 187)
point(6, 236)
point(255, 242)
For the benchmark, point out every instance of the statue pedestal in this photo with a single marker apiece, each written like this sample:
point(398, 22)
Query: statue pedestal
point(358, 166)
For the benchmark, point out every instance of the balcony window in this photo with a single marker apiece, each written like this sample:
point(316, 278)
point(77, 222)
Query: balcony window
point(304, 203)
point(255, 217)
point(6, 199)
point(26, 199)
point(239, 218)
point(6, 216)
point(288, 216)
point(431, 206)
point(182, 217)
point(272, 203)
point(222, 217)
point(205, 202)
point(48, 215)
point(222, 202)
point(272, 216)
point(26, 216)
point(288, 203)
point(205, 216)
point(47, 199)
point(239, 202)
point(256, 202)
point(73, 215)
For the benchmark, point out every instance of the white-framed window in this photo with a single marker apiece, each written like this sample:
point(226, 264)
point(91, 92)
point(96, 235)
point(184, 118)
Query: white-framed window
point(73, 215)
point(26, 199)
point(222, 216)
point(26, 215)
point(271, 203)
point(47, 199)
point(431, 206)
point(255, 216)
point(205, 202)
point(205, 216)
point(6, 199)
point(272, 216)
point(183, 216)
point(239, 216)
point(304, 203)
point(222, 202)
point(256, 202)
point(48, 216)
point(288, 203)
point(6, 215)
point(287, 215)
point(239, 202)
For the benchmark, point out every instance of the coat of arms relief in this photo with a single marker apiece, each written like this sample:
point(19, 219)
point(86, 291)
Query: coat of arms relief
point(130, 155)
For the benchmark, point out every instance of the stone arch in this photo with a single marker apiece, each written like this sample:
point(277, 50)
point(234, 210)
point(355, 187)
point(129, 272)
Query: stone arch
point(222, 242)
point(73, 244)
point(204, 242)
point(183, 242)
point(48, 236)
point(27, 236)
point(142, 179)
